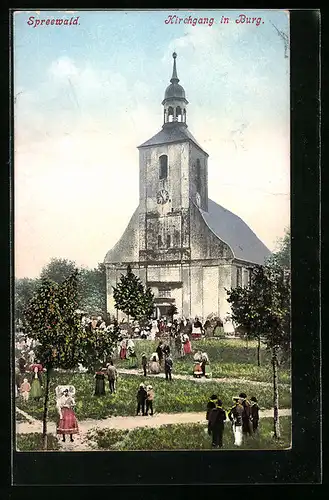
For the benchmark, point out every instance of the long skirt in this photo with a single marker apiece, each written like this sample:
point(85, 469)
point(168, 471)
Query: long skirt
point(187, 347)
point(123, 353)
point(100, 387)
point(68, 424)
point(154, 367)
point(237, 432)
point(36, 391)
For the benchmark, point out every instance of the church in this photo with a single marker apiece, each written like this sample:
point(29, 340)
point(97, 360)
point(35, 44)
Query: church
point(184, 246)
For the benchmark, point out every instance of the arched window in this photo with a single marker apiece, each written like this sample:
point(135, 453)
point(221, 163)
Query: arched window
point(168, 240)
point(176, 238)
point(159, 240)
point(170, 114)
point(198, 176)
point(179, 115)
point(163, 167)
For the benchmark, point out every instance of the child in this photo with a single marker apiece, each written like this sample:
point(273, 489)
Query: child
point(25, 389)
point(149, 400)
point(254, 413)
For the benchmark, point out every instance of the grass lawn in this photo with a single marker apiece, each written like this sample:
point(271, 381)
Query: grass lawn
point(170, 397)
point(228, 358)
point(33, 442)
point(188, 437)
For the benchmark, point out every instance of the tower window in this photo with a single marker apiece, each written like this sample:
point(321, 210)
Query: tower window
point(159, 241)
point(198, 176)
point(163, 170)
point(179, 115)
point(170, 116)
point(238, 277)
point(168, 240)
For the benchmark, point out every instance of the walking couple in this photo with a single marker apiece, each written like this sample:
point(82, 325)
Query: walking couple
point(145, 398)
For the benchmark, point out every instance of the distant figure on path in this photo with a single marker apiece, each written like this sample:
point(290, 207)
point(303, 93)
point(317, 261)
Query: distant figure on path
point(99, 383)
point(235, 416)
point(246, 417)
point(112, 376)
point(186, 344)
point(204, 362)
point(25, 389)
point(216, 421)
point(254, 413)
point(149, 400)
point(159, 351)
point(154, 364)
point(141, 399)
point(144, 363)
point(168, 367)
point(123, 349)
point(36, 385)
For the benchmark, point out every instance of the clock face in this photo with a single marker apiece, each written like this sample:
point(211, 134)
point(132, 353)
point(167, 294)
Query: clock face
point(198, 199)
point(162, 196)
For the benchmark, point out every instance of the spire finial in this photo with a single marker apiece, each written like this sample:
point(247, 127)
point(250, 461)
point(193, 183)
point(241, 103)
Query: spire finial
point(174, 78)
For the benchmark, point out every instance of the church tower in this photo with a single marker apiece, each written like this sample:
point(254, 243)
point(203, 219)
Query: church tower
point(188, 249)
point(173, 173)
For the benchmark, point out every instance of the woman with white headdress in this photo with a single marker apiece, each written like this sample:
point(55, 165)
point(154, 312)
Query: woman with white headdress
point(67, 423)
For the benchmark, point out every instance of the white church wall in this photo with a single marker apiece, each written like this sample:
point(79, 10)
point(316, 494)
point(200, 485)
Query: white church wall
point(196, 291)
point(210, 290)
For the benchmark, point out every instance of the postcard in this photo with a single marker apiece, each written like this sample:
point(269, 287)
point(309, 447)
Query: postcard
point(152, 231)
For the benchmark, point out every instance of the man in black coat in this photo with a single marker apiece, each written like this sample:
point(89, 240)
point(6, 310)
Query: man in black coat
point(141, 398)
point(246, 416)
point(168, 367)
point(159, 351)
point(216, 421)
point(254, 413)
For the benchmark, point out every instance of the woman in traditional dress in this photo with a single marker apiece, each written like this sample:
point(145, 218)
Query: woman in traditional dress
point(208, 329)
point(100, 383)
point(132, 357)
point(186, 344)
point(197, 329)
point(36, 385)
point(123, 349)
point(219, 330)
point(197, 370)
point(68, 423)
point(154, 364)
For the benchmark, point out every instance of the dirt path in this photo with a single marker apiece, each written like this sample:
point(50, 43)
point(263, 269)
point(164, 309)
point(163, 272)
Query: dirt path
point(202, 380)
point(157, 420)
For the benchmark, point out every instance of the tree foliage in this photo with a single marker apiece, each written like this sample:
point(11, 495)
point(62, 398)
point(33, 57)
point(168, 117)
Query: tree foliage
point(24, 290)
point(93, 290)
point(132, 298)
point(58, 270)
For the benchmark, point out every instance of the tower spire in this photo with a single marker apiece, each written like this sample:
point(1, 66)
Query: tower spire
point(174, 78)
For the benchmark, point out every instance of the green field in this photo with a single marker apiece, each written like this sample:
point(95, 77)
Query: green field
point(170, 397)
point(188, 437)
point(232, 358)
point(33, 442)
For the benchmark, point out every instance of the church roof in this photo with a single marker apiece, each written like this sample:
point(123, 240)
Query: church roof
point(172, 132)
point(236, 233)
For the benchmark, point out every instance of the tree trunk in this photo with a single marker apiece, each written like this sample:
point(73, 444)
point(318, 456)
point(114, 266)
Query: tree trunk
point(258, 352)
point(45, 412)
point(276, 423)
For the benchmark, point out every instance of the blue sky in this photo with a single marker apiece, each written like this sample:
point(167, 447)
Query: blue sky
point(87, 95)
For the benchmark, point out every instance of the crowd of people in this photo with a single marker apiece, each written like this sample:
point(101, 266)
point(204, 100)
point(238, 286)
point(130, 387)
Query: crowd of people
point(244, 417)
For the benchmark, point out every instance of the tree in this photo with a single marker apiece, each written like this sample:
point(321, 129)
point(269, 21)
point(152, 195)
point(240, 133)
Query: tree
point(51, 320)
point(93, 290)
point(171, 311)
point(264, 307)
point(132, 298)
point(282, 256)
point(58, 270)
point(24, 290)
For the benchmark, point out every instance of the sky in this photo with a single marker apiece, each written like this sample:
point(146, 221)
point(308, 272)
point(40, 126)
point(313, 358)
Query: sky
point(87, 95)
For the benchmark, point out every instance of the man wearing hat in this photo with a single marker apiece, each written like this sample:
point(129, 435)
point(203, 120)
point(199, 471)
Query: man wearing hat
point(246, 421)
point(211, 404)
point(141, 398)
point(235, 416)
point(216, 421)
point(254, 413)
point(144, 363)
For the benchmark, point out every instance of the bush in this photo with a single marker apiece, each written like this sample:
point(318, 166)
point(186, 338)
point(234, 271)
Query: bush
point(189, 437)
point(33, 442)
point(170, 397)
